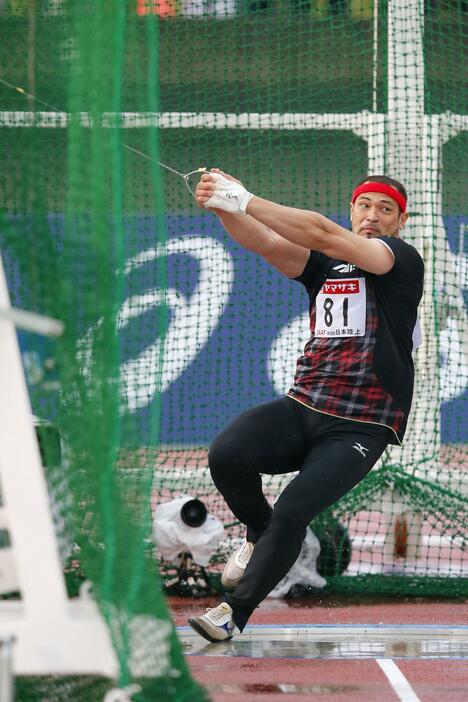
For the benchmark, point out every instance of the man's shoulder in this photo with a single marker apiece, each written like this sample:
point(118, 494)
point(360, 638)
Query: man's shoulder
point(401, 247)
point(406, 277)
point(408, 260)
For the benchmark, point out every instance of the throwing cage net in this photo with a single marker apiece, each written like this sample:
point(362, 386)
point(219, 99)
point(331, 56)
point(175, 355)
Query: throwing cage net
point(171, 328)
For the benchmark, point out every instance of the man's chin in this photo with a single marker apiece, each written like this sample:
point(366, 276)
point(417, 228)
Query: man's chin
point(369, 233)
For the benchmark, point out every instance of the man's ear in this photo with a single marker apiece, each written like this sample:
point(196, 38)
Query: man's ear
point(403, 219)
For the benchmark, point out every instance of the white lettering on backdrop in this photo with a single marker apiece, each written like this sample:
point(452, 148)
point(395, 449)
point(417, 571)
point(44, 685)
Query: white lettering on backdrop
point(193, 319)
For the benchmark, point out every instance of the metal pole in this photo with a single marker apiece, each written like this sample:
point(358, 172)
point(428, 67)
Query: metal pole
point(412, 155)
point(375, 56)
point(375, 131)
point(6, 669)
point(412, 150)
point(32, 322)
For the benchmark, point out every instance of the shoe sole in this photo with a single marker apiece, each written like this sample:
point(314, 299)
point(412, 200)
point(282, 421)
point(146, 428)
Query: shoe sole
point(194, 623)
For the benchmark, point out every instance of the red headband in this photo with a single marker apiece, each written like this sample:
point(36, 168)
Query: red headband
point(374, 187)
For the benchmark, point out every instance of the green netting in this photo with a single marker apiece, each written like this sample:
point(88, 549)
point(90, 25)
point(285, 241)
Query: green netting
point(171, 328)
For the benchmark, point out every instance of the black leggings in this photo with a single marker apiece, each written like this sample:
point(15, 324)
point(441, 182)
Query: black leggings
point(331, 454)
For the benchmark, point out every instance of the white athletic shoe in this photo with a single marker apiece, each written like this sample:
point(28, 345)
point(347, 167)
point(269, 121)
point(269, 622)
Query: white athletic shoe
point(236, 565)
point(216, 625)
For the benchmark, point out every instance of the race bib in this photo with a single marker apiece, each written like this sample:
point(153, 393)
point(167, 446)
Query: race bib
point(341, 308)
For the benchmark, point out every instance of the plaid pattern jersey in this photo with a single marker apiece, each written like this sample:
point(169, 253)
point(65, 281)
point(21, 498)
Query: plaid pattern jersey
point(336, 376)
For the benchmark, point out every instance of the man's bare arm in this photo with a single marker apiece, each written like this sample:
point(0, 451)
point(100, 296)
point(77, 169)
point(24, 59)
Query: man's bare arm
point(316, 232)
point(303, 228)
point(287, 257)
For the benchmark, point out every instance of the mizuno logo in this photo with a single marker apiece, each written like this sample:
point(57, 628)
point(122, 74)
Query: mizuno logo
point(360, 448)
point(345, 268)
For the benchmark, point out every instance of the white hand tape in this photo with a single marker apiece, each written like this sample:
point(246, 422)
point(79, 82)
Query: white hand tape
point(228, 196)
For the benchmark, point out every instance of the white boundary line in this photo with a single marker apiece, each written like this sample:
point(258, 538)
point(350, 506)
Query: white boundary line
point(294, 632)
point(397, 680)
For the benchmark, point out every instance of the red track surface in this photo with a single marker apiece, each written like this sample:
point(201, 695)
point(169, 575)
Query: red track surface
point(239, 679)
point(259, 680)
point(286, 680)
point(314, 611)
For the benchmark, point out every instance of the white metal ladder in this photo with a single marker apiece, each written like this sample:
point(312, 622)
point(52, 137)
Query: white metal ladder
point(52, 633)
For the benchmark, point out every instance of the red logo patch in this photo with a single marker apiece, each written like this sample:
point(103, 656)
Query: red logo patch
point(341, 287)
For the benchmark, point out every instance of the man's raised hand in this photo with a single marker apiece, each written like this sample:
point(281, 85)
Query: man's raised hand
point(216, 190)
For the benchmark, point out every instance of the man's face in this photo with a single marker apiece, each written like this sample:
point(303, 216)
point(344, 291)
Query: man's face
point(376, 214)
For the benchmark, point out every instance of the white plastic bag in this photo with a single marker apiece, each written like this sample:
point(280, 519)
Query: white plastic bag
point(304, 570)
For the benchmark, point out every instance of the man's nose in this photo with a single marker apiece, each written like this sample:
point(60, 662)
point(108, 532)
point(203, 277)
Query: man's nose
point(372, 213)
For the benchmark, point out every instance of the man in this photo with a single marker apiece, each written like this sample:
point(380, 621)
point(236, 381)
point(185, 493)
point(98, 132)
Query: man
point(353, 386)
